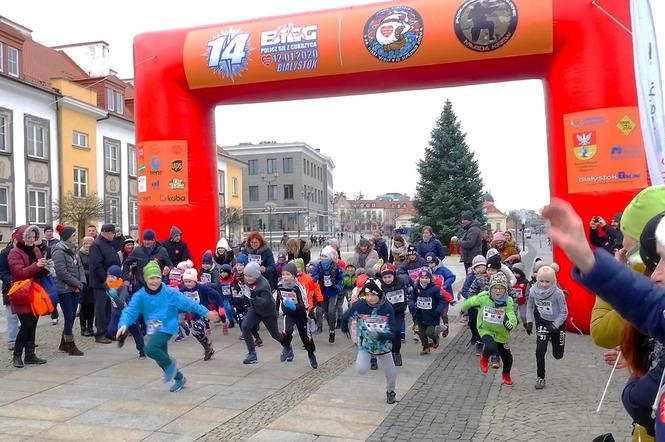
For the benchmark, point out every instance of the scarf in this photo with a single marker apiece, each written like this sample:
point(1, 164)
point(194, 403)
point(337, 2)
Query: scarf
point(398, 251)
point(540, 293)
point(502, 300)
point(326, 264)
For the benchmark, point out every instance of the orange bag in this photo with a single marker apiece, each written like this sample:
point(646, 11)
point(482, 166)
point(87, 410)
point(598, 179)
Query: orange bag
point(41, 302)
point(20, 293)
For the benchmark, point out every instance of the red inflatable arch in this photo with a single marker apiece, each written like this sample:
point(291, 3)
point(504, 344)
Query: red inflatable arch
point(584, 58)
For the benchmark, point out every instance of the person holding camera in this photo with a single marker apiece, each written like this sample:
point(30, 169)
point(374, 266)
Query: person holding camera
point(609, 237)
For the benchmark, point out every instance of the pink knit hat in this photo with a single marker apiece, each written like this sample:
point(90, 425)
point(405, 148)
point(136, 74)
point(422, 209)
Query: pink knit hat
point(499, 236)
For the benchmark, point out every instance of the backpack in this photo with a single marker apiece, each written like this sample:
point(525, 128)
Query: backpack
point(41, 302)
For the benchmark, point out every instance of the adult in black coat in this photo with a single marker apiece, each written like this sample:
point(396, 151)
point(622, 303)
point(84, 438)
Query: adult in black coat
point(102, 256)
point(175, 247)
point(380, 246)
point(149, 250)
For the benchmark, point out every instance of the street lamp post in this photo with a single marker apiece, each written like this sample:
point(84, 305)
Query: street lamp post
point(269, 179)
point(270, 207)
point(308, 194)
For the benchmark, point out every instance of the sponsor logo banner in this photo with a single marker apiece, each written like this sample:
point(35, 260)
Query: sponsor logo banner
point(165, 181)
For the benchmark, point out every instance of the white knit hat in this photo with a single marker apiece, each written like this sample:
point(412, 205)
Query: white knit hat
point(190, 275)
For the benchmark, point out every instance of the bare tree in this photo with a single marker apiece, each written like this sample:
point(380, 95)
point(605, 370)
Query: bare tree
point(231, 217)
point(79, 211)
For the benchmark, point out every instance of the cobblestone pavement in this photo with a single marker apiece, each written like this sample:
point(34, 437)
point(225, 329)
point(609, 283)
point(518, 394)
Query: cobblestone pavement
point(453, 400)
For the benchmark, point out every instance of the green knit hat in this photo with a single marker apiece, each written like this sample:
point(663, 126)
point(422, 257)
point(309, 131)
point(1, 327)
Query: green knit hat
point(647, 204)
point(151, 270)
point(299, 263)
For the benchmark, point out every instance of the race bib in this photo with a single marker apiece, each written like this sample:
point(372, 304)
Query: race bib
point(194, 296)
point(206, 278)
point(254, 258)
point(327, 281)
point(544, 307)
point(289, 295)
point(226, 290)
point(374, 324)
point(395, 297)
point(493, 315)
point(519, 294)
point(246, 292)
point(424, 303)
point(154, 325)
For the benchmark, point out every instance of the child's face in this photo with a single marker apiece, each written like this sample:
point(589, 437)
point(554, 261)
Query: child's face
point(497, 291)
point(350, 270)
point(281, 259)
point(364, 248)
point(240, 268)
point(154, 283)
point(388, 278)
point(175, 281)
point(424, 281)
point(491, 272)
point(225, 274)
point(287, 277)
point(544, 284)
point(189, 283)
point(431, 264)
point(206, 266)
point(479, 270)
point(371, 298)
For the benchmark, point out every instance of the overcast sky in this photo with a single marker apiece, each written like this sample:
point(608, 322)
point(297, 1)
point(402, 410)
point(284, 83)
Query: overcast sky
point(511, 139)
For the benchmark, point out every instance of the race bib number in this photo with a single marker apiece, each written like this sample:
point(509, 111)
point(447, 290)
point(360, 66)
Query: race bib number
point(396, 297)
point(194, 296)
point(206, 278)
point(374, 324)
point(246, 292)
point(154, 325)
point(226, 290)
point(519, 294)
point(493, 315)
point(544, 307)
point(289, 295)
point(327, 281)
point(254, 258)
point(424, 303)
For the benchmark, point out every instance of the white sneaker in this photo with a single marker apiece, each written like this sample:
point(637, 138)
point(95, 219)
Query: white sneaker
point(54, 321)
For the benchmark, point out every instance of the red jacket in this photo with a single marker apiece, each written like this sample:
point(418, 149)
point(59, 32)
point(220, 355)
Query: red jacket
point(20, 266)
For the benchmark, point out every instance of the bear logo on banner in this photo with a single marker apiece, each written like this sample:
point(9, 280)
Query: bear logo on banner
point(486, 25)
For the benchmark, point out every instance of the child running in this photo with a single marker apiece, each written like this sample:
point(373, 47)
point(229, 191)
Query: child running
point(159, 306)
point(119, 294)
point(496, 319)
point(374, 318)
point(241, 298)
point(546, 306)
point(428, 303)
point(396, 294)
point(205, 296)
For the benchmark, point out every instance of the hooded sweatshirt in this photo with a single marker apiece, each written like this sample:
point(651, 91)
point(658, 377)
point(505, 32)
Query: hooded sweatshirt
point(549, 305)
point(227, 257)
point(375, 325)
point(177, 251)
point(491, 315)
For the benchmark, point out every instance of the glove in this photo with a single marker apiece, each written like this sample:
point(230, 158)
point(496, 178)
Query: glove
point(529, 328)
point(506, 323)
point(288, 303)
point(347, 334)
point(222, 313)
point(551, 327)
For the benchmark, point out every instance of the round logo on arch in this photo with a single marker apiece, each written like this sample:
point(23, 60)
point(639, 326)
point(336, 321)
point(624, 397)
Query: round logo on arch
point(486, 25)
point(394, 34)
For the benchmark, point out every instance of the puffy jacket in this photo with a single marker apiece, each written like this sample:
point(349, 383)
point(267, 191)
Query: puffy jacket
point(375, 325)
point(261, 298)
point(447, 276)
point(23, 265)
point(141, 256)
point(409, 266)
point(471, 243)
point(431, 246)
point(639, 394)
point(428, 303)
point(161, 306)
point(491, 316)
point(366, 260)
point(333, 276)
point(381, 249)
point(264, 257)
point(69, 272)
point(397, 294)
point(606, 325)
point(202, 294)
point(314, 294)
point(102, 256)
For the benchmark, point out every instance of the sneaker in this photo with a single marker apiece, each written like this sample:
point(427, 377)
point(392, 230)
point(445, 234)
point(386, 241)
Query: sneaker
point(141, 354)
point(258, 342)
point(209, 351)
point(102, 340)
point(479, 348)
point(424, 351)
point(250, 358)
point(373, 364)
point(54, 321)
point(540, 383)
point(312, 361)
point(178, 385)
point(170, 371)
point(397, 358)
point(434, 344)
point(496, 361)
point(484, 363)
point(225, 329)
point(390, 397)
point(186, 329)
point(506, 379)
point(10, 347)
point(445, 331)
point(287, 354)
point(241, 337)
point(179, 338)
point(331, 337)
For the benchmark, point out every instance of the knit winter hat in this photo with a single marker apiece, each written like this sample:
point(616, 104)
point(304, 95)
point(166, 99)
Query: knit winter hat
point(106, 228)
point(291, 268)
point(373, 286)
point(491, 252)
point(494, 262)
point(242, 259)
point(328, 252)
point(537, 265)
point(148, 235)
point(617, 217)
point(467, 215)
point(65, 232)
point(151, 270)
point(431, 258)
point(175, 274)
point(478, 260)
point(128, 240)
point(190, 275)
point(281, 255)
point(648, 242)
point(500, 280)
point(518, 270)
point(226, 268)
point(114, 271)
point(425, 273)
point(252, 269)
point(499, 236)
point(175, 231)
point(299, 263)
point(184, 265)
point(411, 250)
point(647, 204)
point(547, 273)
point(555, 267)
point(388, 269)
point(207, 257)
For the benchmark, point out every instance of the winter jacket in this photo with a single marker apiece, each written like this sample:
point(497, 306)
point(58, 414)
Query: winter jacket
point(491, 316)
point(397, 294)
point(640, 393)
point(375, 325)
point(520, 290)
point(366, 260)
point(549, 305)
point(606, 237)
point(447, 276)
point(22, 261)
point(428, 303)
point(5, 274)
point(410, 266)
point(141, 256)
point(263, 257)
point(177, 251)
point(508, 251)
point(329, 280)
point(120, 297)
point(431, 246)
point(261, 298)
point(203, 295)
point(313, 290)
point(606, 325)
point(381, 249)
point(303, 250)
point(86, 296)
point(102, 256)
point(471, 243)
point(297, 293)
point(211, 275)
point(69, 273)
point(480, 283)
point(468, 282)
point(397, 255)
point(349, 281)
point(161, 306)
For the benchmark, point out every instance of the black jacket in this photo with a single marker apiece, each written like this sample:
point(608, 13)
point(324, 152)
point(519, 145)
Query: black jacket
point(261, 297)
point(141, 255)
point(177, 251)
point(611, 241)
point(5, 274)
point(381, 249)
point(102, 256)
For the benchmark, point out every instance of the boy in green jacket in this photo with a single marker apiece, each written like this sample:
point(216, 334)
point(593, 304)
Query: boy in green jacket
point(496, 319)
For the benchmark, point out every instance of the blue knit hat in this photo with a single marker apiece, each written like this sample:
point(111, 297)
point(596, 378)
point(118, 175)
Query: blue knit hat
point(114, 271)
point(226, 268)
point(207, 258)
point(242, 259)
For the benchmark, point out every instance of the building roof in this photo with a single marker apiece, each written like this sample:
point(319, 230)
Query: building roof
point(41, 64)
point(225, 154)
point(492, 210)
point(271, 146)
point(381, 204)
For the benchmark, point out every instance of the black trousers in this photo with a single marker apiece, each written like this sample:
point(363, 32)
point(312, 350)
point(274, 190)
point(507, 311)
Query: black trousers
point(492, 347)
point(297, 318)
point(252, 320)
point(87, 316)
point(27, 332)
point(543, 337)
point(397, 334)
point(473, 324)
point(102, 311)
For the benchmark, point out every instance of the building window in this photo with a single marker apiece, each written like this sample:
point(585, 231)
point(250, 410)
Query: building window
point(287, 165)
point(253, 167)
point(272, 192)
point(2, 57)
point(131, 160)
point(79, 139)
point(133, 213)
point(253, 193)
point(120, 103)
point(234, 186)
point(111, 157)
point(37, 207)
point(80, 182)
point(12, 61)
point(4, 205)
point(110, 99)
point(5, 128)
point(112, 210)
point(271, 165)
point(288, 191)
point(37, 138)
point(221, 187)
